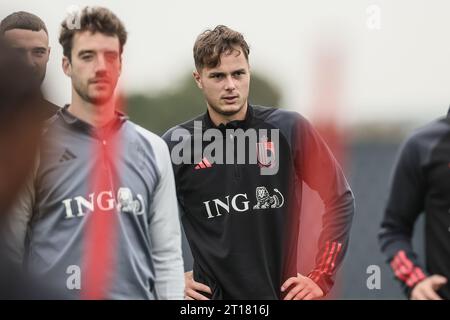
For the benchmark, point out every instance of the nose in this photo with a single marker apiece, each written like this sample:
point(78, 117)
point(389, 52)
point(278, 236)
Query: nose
point(29, 59)
point(229, 83)
point(100, 65)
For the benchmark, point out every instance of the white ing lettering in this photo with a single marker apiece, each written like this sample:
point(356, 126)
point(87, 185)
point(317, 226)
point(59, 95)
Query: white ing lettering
point(125, 202)
point(263, 201)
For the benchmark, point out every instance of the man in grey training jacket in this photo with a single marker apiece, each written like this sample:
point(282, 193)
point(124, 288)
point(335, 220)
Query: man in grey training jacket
point(99, 217)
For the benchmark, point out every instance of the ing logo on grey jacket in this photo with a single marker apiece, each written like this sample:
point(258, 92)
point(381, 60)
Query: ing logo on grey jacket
point(124, 202)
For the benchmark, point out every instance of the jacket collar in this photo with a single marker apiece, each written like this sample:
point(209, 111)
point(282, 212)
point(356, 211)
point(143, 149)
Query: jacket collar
point(235, 124)
point(72, 120)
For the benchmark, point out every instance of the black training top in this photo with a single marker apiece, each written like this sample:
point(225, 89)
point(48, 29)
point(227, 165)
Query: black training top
point(242, 225)
point(420, 183)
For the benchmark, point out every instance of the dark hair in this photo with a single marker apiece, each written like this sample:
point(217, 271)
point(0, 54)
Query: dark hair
point(211, 44)
point(22, 20)
point(93, 19)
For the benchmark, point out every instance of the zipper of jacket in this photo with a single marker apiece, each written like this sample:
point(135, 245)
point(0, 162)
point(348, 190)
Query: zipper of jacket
point(107, 165)
point(237, 173)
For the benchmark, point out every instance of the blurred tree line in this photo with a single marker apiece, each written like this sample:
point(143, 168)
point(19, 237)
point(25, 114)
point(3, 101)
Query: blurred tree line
point(161, 111)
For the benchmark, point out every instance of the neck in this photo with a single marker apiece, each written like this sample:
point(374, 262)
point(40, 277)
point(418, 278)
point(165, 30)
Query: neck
point(218, 118)
point(97, 115)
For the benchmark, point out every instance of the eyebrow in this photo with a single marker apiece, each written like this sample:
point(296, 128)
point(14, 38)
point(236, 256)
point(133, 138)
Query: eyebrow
point(39, 48)
point(218, 73)
point(26, 49)
point(93, 52)
point(112, 52)
point(85, 52)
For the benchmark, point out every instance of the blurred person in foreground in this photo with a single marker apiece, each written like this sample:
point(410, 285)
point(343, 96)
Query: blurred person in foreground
point(20, 100)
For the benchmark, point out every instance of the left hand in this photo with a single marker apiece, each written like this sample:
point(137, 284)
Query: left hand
point(301, 288)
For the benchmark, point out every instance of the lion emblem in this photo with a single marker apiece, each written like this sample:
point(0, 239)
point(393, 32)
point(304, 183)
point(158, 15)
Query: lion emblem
point(265, 200)
point(126, 203)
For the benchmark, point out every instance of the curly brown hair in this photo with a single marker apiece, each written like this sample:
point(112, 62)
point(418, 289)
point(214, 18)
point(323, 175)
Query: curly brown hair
point(211, 44)
point(93, 19)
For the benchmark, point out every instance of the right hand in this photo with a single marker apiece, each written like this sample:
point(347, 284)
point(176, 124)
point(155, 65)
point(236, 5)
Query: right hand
point(427, 288)
point(192, 288)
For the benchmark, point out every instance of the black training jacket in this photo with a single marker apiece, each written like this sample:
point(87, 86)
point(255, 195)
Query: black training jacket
point(420, 184)
point(242, 225)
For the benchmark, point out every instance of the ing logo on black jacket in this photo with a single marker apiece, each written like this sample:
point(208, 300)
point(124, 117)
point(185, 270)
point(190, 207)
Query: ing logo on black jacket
point(240, 203)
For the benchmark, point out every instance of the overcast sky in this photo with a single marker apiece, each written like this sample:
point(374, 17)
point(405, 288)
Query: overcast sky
point(397, 72)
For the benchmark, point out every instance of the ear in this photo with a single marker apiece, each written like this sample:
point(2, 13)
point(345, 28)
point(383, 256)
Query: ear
point(67, 67)
point(48, 53)
point(120, 66)
point(198, 79)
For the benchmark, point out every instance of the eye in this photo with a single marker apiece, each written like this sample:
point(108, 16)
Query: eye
point(38, 52)
point(217, 76)
point(238, 74)
point(111, 57)
point(20, 51)
point(86, 56)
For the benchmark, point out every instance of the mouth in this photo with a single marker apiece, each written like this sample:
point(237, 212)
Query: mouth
point(99, 81)
point(230, 99)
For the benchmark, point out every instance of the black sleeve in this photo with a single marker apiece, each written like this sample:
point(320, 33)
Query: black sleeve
point(405, 203)
point(319, 169)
